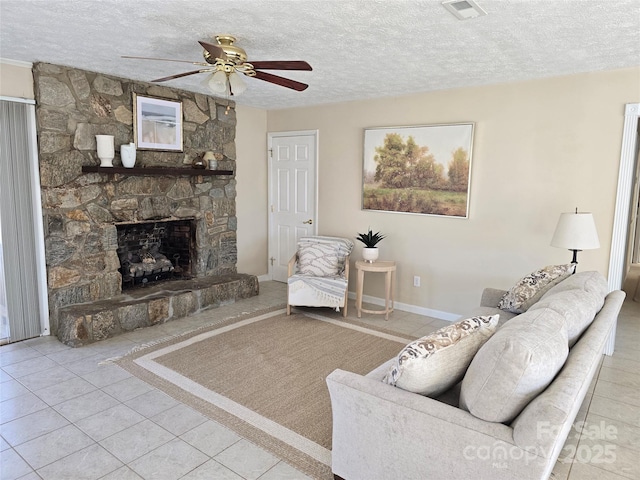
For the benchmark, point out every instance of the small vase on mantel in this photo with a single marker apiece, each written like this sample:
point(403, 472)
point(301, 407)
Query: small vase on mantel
point(128, 155)
point(210, 161)
point(105, 149)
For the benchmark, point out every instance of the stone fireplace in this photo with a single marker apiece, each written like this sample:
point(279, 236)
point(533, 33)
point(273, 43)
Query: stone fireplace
point(90, 218)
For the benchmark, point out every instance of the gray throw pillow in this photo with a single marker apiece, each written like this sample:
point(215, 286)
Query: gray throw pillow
point(515, 365)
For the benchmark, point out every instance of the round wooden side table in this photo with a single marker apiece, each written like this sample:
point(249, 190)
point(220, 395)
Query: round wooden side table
point(386, 267)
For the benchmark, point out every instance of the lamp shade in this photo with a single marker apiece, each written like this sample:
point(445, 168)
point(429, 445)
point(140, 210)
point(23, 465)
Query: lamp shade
point(237, 84)
point(218, 82)
point(576, 231)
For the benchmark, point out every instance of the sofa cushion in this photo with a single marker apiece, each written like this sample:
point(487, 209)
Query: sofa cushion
point(515, 365)
point(577, 307)
point(432, 364)
point(528, 290)
point(592, 282)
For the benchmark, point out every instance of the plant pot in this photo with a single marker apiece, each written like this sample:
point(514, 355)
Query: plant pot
point(370, 254)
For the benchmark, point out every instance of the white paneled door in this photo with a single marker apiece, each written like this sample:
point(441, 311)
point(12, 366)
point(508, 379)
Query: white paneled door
point(292, 195)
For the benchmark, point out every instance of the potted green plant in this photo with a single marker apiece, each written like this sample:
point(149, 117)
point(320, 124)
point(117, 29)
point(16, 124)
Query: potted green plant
point(370, 240)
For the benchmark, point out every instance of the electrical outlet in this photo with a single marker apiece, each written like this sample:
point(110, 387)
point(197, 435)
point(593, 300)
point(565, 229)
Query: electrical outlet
point(416, 281)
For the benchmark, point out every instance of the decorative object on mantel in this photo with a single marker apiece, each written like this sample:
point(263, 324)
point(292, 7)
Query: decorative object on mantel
point(128, 154)
point(210, 160)
point(105, 149)
point(157, 123)
point(199, 162)
point(370, 240)
point(576, 231)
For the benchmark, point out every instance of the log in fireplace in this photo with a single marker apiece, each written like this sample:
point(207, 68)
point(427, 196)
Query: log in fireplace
point(154, 251)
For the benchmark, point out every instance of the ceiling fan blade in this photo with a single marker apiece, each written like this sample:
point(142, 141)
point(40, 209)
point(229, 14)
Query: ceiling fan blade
point(215, 50)
point(165, 60)
point(179, 75)
point(283, 82)
point(282, 65)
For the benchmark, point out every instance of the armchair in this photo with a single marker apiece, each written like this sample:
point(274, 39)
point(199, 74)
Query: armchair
point(318, 273)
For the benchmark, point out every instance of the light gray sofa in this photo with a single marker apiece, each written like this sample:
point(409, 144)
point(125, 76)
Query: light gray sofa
point(382, 432)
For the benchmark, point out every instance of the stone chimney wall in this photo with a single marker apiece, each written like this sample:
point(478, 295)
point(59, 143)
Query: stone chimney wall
point(80, 210)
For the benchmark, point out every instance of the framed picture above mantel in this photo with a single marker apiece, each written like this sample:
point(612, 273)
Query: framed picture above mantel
point(157, 123)
point(423, 169)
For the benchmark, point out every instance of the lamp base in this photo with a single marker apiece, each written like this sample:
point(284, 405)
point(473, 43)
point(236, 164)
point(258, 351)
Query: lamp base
point(574, 260)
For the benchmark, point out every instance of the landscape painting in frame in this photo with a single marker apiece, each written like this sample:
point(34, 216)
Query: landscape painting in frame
point(157, 123)
point(418, 169)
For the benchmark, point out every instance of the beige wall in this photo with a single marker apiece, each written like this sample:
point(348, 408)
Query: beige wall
point(16, 79)
point(540, 148)
point(251, 202)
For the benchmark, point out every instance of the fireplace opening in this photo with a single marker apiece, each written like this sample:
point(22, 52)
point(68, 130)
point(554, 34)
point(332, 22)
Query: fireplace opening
point(155, 251)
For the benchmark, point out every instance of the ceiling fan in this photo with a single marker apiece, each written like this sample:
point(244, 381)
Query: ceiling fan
point(225, 61)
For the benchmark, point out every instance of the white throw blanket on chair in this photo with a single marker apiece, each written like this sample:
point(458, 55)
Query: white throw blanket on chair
point(330, 290)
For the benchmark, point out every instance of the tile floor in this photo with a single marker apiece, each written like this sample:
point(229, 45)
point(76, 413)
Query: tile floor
point(64, 414)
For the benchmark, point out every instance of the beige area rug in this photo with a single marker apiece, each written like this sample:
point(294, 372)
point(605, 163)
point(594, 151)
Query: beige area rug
point(263, 376)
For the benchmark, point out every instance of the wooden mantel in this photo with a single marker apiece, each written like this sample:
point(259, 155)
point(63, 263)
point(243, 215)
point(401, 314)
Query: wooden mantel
point(155, 171)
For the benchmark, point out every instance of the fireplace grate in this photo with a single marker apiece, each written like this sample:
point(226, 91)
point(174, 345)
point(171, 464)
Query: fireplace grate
point(150, 252)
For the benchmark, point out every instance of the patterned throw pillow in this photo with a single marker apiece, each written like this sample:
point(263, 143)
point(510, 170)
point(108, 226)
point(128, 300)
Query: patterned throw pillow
point(318, 260)
point(433, 364)
point(531, 288)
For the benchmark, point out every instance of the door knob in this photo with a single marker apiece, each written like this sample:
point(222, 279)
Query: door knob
point(309, 222)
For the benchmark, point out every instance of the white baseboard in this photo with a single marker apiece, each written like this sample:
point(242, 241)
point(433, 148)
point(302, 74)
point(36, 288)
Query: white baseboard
point(405, 307)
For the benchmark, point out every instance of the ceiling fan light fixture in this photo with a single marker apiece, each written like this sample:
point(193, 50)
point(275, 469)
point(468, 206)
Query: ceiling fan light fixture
point(229, 62)
point(218, 82)
point(236, 83)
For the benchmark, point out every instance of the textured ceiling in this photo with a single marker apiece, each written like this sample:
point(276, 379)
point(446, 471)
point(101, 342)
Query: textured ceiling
point(358, 48)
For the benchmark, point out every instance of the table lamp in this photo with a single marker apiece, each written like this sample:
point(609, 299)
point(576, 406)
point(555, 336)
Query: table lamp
point(576, 231)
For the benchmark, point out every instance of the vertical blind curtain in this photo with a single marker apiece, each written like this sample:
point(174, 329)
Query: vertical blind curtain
point(17, 222)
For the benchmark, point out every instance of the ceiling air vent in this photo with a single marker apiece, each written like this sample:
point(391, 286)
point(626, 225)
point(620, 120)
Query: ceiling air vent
point(464, 9)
